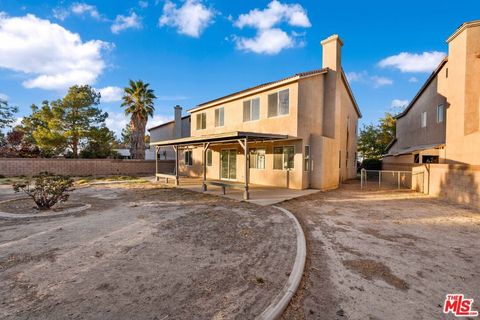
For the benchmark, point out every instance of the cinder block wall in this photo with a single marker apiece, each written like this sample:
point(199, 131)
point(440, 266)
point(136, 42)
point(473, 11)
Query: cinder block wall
point(455, 183)
point(81, 167)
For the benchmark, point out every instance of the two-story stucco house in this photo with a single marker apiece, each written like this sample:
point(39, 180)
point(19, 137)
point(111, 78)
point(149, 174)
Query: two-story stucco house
point(442, 123)
point(298, 132)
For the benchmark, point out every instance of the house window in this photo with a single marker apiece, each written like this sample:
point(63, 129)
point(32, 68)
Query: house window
point(219, 117)
point(278, 103)
point(339, 158)
point(251, 110)
point(416, 158)
point(201, 121)
point(257, 158)
point(209, 157)
point(283, 158)
point(424, 119)
point(306, 158)
point(440, 113)
point(188, 158)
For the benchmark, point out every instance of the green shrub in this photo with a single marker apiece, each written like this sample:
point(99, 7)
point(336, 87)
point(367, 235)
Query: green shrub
point(46, 189)
point(372, 164)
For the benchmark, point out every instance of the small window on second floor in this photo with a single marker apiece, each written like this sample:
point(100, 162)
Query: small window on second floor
point(209, 157)
point(251, 110)
point(279, 103)
point(219, 117)
point(201, 121)
point(424, 119)
point(440, 113)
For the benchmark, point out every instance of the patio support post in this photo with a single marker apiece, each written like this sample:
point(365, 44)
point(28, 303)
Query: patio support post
point(156, 163)
point(204, 165)
point(176, 165)
point(244, 144)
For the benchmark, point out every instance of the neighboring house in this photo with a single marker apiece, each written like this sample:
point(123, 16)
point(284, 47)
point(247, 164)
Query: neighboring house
point(179, 127)
point(442, 123)
point(297, 132)
point(124, 153)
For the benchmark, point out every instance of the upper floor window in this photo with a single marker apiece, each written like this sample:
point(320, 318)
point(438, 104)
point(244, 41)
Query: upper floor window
point(219, 117)
point(424, 119)
point(440, 113)
point(306, 158)
point(201, 121)
point(251, 110)
point(278, 103)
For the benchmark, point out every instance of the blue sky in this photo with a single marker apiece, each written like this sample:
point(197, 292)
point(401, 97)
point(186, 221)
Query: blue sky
point(193, 51)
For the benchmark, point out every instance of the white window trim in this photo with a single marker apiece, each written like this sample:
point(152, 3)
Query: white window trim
point(309, 159)
point(196, 118)
point(214, 113)
point(424, 113)
point(191, 158)
point(443, 113)
point(278, 104)
point(265, 159)
point(251, 109)
point(283, 160)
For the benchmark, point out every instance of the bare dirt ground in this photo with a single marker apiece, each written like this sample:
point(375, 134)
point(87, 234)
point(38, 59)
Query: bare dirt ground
point(384, 255)
point(143, 252)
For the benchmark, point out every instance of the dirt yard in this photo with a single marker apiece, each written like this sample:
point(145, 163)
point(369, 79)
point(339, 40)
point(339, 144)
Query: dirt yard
point(142, 252)
point(384, 255)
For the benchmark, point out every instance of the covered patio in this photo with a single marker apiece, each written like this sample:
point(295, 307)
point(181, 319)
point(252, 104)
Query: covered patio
point(207, 141)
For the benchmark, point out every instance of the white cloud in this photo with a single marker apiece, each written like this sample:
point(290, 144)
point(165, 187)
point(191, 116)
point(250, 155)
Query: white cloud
point(51, 56)
point(133, 21)
point(364, 77)
point(143, 4)
point(3, 97)
point(111, 94)
point(116, 121)
point(275, 13)
point(269, 41)
point(380, 81)
point(60, 13)
point(413, 62)
point(413, 80)
point(79, 8)
point(398, 103)
point(190, 19)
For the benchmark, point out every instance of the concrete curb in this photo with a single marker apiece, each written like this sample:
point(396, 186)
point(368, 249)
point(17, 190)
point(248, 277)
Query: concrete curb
point(281, 301)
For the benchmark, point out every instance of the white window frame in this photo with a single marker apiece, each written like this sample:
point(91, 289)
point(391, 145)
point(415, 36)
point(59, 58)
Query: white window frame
point(283, 158)
point(251, 110)
point(200, 123)
point(187, 158)
point(423, 119)
point(442, 113)
point(220, 115)
point(277, 114)
point(256, 167)
point(306, 158)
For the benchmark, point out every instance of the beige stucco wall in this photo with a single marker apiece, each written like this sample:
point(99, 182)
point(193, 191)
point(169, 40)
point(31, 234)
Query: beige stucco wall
point(464, 98)
point(409, 130)
point(166, 132)
point(455, 183)
point(233, 115)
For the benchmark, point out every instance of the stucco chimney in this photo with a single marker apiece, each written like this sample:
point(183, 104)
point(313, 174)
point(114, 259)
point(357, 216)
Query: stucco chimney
point(332, 52)
point(177, 125)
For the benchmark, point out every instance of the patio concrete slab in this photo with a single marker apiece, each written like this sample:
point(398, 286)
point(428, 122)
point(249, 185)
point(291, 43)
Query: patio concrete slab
point(261, 195)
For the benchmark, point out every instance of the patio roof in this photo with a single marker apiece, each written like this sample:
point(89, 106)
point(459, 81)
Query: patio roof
point(223, 137)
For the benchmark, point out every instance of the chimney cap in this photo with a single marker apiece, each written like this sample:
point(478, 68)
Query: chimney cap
point(178, 107)
point(333, 37)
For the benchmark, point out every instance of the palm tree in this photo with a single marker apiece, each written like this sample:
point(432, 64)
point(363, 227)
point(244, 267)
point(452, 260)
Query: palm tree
point(138, 100)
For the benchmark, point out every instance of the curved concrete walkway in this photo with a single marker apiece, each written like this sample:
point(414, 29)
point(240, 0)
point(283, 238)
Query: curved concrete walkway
point(281, 301)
